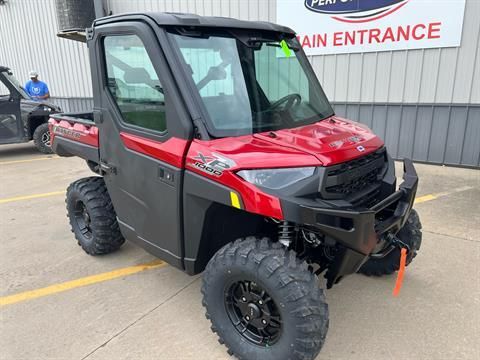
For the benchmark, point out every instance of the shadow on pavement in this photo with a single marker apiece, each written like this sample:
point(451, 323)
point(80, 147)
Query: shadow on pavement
point(7, 152)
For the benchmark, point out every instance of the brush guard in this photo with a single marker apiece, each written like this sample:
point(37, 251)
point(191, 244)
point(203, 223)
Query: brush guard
point(359, 231)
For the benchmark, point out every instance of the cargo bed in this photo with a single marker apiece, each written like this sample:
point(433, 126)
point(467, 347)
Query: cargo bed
point(75, 134)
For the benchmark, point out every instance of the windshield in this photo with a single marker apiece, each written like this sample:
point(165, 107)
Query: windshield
point(251, 85)
point(14, 82)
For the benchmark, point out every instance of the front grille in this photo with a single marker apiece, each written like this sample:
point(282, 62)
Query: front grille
point(357, 180)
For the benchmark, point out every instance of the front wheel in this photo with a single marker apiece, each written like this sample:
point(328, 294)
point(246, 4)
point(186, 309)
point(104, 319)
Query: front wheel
point(41, 139)
point(263, 302)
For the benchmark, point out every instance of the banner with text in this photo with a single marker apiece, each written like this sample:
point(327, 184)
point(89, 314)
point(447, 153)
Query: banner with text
point(348, 26)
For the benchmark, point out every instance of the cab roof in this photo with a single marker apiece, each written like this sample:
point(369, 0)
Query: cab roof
point(185, 19)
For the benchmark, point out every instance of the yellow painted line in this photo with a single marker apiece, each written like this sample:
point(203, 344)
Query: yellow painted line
point(85, 281)
point(430, 197)
point(33, 196)
point(425, 198)
point(28, 160)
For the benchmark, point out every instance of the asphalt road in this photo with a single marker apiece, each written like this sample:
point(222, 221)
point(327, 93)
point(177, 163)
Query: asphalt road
point(110, 308)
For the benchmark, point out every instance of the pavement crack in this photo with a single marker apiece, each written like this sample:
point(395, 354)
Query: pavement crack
point(140, 318)
point(452, 236)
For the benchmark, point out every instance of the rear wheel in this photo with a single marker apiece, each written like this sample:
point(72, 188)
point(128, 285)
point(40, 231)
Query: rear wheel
point(263, 302)
point(411, 235)
point(92, 217)
point(41, 139)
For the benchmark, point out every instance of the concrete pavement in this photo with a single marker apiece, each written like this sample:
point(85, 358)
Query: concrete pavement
point(157, 314)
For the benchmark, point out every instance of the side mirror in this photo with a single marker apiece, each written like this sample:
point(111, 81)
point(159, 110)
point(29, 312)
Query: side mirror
point(141, 76)
point(217, 73)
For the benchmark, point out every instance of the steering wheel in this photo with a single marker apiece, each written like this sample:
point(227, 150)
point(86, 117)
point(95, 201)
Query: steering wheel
point(290, 101)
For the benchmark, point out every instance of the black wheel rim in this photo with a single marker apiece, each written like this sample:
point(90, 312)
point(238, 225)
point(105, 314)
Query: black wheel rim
point(82, 219)
point(46, 138)
point(253, 313)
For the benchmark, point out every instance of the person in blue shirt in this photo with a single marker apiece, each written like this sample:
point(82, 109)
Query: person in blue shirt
point(37, 89)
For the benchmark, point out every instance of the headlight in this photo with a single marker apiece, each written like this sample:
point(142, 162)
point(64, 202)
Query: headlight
point(276, 178)
point(46, 108)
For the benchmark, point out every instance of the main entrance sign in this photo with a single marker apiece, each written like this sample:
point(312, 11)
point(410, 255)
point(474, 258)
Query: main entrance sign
point(346, 26)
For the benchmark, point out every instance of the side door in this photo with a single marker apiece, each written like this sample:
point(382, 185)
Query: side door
point(141, 154)
point(11, 124)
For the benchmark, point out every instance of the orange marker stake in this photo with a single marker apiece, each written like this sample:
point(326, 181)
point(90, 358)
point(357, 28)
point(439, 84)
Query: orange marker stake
point(401, 272)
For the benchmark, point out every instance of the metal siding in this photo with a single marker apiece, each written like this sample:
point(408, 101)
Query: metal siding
point(378, 121)
point(422, 102)
point(366, 114)
point(329, 68)
point(412, 76)
point(438, 137)
point(475, 95)
point(351, 112)
point(422, 132)
point(427, 75)
point(420, 76)
point(428, 81)
point(383, 76)
point(61, 63)
point(466, 54)
point(394, 92)
point(341, 77)
point(354, 85)
point(392, 134)
point(318, 64)
point(471, 144)
point(399, 68)
point(368, 75)
point(455, 135)
point(73, 104)
point(341, 110)
point(407, 131)
point(446, 75)
point(242, 9)
point(440, 134)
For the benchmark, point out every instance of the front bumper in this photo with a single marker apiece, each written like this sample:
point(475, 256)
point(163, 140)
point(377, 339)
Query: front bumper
point(358, 231)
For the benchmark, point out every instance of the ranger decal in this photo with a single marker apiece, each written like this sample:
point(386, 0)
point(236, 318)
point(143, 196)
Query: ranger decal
point(69, 133)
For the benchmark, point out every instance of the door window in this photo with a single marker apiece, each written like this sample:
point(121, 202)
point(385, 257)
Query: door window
point(133, 82)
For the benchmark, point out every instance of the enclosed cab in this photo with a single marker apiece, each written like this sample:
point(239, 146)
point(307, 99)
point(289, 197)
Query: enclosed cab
point(218, 151)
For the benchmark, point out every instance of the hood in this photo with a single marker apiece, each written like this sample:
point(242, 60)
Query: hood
point(250, 152)
point(331, 141)
point(328, 142)
point(29, 105)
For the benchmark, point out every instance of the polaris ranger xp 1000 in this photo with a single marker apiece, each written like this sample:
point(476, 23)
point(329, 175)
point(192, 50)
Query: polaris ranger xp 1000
point(218, 151)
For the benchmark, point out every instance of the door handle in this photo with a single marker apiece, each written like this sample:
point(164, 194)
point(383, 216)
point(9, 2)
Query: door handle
point(106, 168)
point(166, 175)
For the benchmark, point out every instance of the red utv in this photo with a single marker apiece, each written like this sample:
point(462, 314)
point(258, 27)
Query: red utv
point(218, 151)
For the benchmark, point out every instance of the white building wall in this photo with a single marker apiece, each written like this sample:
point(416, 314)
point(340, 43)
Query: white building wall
point(424, 103)
point(440, 76)
point(28, 41)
